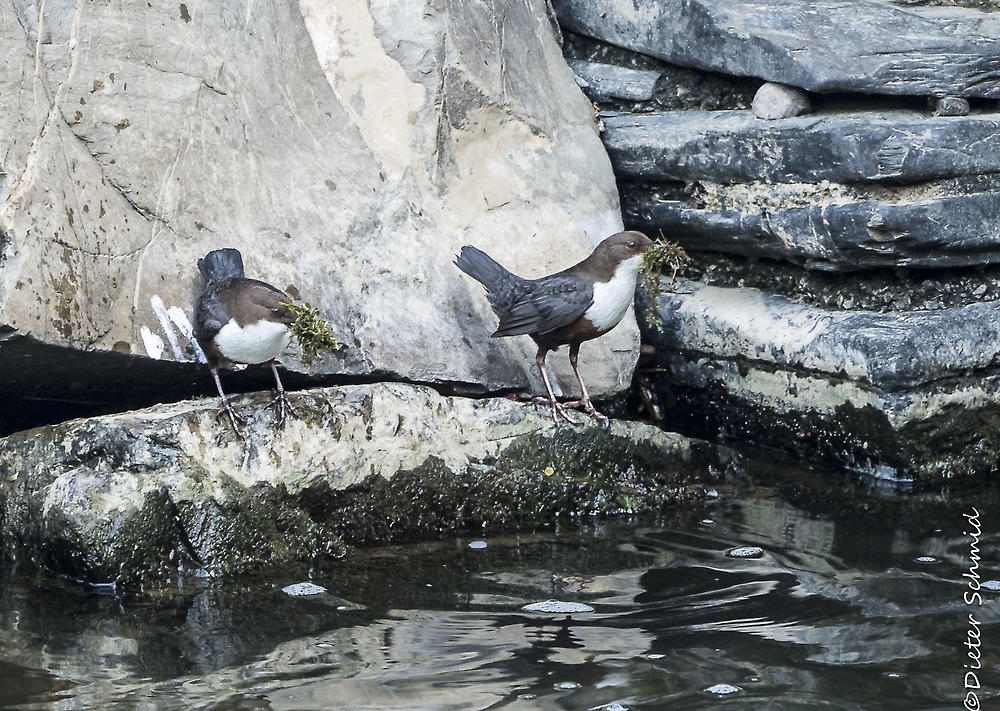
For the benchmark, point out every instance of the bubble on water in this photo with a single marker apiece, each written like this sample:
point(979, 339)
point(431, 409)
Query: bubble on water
point(557, 607)
point(615, 707)
point(707, 522)
point(712, 494)
point(655, 656)
point(926, 559)
point(723, 689)
point(303, 589)
point(477, 545)
point(567, 685)
point(746, 552)
point(991, 585)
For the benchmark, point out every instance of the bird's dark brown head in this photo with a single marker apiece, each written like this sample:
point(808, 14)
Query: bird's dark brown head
point(614, 250)
point(625, 245)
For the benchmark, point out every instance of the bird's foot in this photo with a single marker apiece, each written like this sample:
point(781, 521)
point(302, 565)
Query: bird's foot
point(587, 406)
point(558, 410)
point(235, 420)
point(283, 407)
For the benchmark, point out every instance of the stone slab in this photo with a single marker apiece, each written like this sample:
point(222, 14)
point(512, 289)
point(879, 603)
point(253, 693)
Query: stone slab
point(843, 147)
point(867, 46)
point(899, 392)
point(823, 227)
point(601, 82)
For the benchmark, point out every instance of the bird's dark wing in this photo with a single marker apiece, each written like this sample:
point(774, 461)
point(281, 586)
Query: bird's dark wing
point(546, 304)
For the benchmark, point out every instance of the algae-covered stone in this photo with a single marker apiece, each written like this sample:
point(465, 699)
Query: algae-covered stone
point(140, 496)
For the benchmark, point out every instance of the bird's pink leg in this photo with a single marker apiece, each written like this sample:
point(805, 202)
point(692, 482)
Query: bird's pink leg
point(557, 409)
point(584, 401)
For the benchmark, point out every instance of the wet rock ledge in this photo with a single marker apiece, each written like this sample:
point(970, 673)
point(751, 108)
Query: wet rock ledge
point(842, 303)
point(170, 490)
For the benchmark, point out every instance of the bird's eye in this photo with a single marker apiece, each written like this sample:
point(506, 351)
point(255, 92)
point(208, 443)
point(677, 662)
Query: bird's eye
point(275, 310)
point(631, 245)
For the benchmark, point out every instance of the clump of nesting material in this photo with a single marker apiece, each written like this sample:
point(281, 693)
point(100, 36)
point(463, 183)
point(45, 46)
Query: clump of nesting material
point(313, 334)
point(663, 258)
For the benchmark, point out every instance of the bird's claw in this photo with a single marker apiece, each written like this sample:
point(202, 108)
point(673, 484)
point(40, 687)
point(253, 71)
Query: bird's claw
point(283, 407)
point(587, 406)
point(558, 410)
point(234, 419)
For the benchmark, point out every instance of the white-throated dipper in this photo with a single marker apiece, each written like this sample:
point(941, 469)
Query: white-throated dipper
point(240, 320)
point(567, 308)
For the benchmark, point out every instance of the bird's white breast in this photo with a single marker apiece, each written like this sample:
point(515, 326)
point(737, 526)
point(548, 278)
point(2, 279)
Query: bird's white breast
point(612, 298)
point(256, 343)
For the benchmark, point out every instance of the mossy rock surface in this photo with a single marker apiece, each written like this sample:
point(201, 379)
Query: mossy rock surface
point(141, 496)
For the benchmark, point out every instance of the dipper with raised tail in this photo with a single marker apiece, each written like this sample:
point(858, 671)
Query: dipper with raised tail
point(240, 320)
point(570, 307)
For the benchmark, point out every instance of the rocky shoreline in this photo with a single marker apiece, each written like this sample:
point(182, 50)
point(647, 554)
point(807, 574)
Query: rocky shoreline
point(839, 205)
point(168, 491)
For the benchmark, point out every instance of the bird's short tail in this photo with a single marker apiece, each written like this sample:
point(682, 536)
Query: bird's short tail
point(483, 268)
point(221, 264)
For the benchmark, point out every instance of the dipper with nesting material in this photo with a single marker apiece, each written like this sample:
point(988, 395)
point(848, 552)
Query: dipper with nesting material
point(567, 308)
point(240, 320)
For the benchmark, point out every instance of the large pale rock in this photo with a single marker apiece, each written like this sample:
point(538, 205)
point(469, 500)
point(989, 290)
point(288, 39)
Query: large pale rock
point(348, 149)
point(898, 393)
point(144, 495)
point(868, 46)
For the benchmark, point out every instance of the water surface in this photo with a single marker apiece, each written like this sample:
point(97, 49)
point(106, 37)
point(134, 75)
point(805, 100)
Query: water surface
point(856, 601)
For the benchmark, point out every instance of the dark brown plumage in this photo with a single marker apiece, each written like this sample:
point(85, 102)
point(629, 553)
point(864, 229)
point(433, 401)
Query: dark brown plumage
point(567, 308)
point(240, 320)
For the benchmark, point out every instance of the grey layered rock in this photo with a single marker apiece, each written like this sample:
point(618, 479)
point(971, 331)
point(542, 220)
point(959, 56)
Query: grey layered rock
point(826, 232)
point(347, 149)
point(861, 146)
point(141, 496)
point(868, 46)
point(601, 82)
point(837, 191)
point(893, 392)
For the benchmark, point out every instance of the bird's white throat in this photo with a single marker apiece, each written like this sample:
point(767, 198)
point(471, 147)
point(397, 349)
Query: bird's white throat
point(257, 343)
point(612, 298)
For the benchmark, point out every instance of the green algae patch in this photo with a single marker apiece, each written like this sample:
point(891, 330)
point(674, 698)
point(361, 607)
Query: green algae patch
point(254, 528)
point(136, 545)
point(539, 478)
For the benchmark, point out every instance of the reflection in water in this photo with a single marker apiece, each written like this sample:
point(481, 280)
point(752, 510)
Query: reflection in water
point(836, 612)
